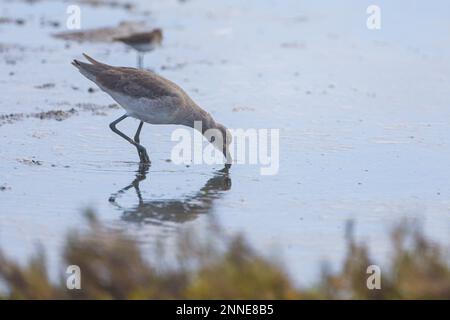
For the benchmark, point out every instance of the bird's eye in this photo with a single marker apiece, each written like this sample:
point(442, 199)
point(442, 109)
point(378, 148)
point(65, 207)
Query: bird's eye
point(213, 139)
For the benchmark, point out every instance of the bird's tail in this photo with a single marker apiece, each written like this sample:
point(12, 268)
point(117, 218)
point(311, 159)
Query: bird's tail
point(93, 61)
point(89, 70)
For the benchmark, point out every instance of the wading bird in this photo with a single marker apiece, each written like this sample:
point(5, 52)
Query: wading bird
point(143, 42)
point(153, 99)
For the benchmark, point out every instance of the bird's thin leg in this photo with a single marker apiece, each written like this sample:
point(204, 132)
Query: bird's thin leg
point(140, 60)
point(138, 132)
point(141, 150)
point(142, 154)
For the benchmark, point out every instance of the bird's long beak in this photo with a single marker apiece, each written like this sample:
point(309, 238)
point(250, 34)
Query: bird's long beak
point(227, 155)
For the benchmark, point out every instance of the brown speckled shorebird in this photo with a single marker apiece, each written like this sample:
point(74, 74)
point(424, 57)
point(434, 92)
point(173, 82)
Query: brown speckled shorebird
point(153, 99)
point(143, 42)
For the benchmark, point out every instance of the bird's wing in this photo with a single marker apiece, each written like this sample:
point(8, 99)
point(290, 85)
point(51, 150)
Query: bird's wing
point(136, 83)
point(128, 81)
point(141, 84)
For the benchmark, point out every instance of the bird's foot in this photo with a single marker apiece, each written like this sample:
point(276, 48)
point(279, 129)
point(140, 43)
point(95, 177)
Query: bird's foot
point(143, 156)
point(225, 169)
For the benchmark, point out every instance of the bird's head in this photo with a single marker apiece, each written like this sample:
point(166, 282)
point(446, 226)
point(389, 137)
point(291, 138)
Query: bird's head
point(219, 136)
point(157, 35)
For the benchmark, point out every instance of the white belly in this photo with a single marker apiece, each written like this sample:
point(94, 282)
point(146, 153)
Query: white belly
point(153, 111)
point(143, 47)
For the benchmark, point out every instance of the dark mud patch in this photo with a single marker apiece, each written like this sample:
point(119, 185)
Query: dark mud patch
point(30, 162)
point(58, 115)
point(45, 86)
point(50, 23)
point(33, 163)
point(16, 21)
point(106, 34)
point(4, 187)
point(176, 66)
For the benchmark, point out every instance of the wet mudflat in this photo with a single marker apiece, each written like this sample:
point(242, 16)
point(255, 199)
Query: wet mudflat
point(363, 118)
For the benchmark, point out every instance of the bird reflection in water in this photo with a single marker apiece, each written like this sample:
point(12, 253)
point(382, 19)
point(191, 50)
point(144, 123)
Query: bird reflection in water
point(172, 210)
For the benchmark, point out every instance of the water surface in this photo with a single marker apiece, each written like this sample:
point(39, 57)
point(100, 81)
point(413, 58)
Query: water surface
point(364, 119)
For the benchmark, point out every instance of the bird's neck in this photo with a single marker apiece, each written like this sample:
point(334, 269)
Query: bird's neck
point(202, 123)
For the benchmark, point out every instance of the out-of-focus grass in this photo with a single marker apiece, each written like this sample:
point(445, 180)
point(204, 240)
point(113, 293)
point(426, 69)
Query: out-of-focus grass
point(113, 267)
point(419, 269)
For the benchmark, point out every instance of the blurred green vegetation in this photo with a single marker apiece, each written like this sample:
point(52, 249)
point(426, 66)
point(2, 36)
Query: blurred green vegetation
point(113, 267)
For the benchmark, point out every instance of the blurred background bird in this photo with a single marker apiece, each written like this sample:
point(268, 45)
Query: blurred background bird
point(143, 42)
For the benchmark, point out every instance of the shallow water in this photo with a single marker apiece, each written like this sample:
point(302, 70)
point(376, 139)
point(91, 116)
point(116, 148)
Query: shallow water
point(363, 118)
